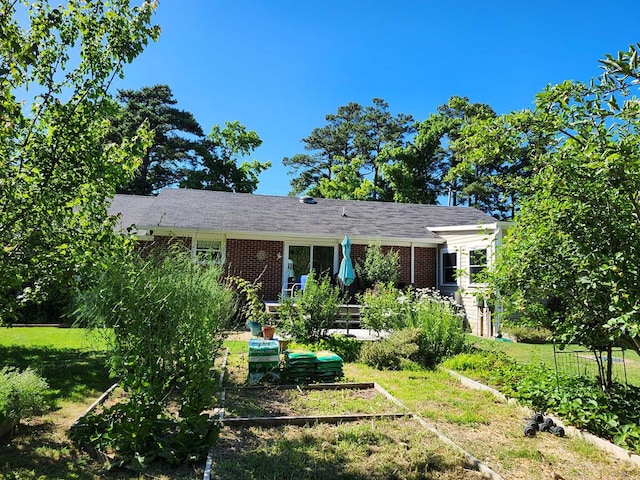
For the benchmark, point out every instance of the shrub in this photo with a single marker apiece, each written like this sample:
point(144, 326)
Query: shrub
point(384, 307)
point(307, 315)
point(395, 351)
point(441, 326)
point(378, 266)
point(22, 394)
point(525, 334)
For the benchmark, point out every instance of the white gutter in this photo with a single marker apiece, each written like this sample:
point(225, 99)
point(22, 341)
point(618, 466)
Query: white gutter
point(279, 236)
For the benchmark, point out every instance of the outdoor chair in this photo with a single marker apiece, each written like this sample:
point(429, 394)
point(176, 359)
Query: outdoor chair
point(299, 285)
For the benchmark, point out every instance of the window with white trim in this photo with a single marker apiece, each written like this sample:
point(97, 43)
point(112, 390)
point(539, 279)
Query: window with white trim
point(477, 264)
point(209, 252)
point(448, 267)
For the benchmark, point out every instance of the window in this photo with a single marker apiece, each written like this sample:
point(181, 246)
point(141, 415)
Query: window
point(477, 264)
point(209, 252)
point(449, 267)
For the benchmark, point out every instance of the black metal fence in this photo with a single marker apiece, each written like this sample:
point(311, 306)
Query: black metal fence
point(586, 363)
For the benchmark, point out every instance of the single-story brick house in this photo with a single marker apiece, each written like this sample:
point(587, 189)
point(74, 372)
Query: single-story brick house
point(277, 239)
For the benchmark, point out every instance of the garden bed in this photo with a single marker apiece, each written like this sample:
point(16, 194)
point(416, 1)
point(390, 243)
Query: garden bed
point(380, 449)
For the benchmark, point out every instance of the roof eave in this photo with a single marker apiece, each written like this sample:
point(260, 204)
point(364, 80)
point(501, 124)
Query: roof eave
point(292, 236)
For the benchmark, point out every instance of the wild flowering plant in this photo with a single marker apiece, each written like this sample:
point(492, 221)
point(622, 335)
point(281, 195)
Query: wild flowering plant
point(441, 324)
point(435, 324)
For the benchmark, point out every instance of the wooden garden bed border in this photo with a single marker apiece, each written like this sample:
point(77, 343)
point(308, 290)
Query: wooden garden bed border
point(301, 420)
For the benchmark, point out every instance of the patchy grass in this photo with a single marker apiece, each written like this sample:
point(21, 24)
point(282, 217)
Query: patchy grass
point(270, 402)
point(372, 450)
point(485, 427)
point(492, 430)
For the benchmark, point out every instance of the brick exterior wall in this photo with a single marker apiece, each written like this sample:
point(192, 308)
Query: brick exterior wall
point(256, 259)
point(425, 275)
point(424, 263)
point(262, 260)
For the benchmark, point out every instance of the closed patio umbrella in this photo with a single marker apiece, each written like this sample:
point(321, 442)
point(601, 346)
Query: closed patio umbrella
point(346, 274)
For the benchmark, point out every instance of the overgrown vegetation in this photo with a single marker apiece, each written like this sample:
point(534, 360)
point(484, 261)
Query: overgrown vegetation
point(310, 313)
point(613, 414)
point(22, 394)
point(384, 307)
point(524, 334)
point(426, 327)
point(166, 313)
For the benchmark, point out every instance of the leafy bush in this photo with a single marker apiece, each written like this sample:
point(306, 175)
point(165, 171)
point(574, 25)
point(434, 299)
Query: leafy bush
point(394, 351)
point(614, 415)
point(441, 326)
point(378, 266)
point(167, 314)
point(431, 322)
point(525, 334)
point(22, 394)
point(307, 315)
point(384, 307)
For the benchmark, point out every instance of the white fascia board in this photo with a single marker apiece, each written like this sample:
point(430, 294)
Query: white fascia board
point(282, 237)
point(465, 228)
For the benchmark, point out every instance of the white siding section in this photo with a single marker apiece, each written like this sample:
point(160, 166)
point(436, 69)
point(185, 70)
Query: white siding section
point(463, 242)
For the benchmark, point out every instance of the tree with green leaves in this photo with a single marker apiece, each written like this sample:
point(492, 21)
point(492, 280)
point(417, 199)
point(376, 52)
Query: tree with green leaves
point(492, 166)
point(419, 172)
point(353, 133)
point(456, 114)
point(58, 172)
point(176, 136)
point(216, 165)
point(571, 262)
point(415, 174)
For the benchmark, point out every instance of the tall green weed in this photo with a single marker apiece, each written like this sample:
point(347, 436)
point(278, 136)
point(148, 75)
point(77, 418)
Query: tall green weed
point(167, 314)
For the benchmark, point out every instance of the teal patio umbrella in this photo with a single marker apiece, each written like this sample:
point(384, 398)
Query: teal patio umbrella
point(346, 274)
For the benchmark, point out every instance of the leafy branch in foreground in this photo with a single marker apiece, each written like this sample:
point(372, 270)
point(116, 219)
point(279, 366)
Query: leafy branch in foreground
point(58, 172)
point(570, 263)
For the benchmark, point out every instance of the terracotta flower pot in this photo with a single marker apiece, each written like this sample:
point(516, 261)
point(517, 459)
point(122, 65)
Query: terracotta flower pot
point(268, 331)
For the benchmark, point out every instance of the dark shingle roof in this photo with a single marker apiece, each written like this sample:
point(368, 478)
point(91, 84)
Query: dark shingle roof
point(131, 208)
point(240, 212)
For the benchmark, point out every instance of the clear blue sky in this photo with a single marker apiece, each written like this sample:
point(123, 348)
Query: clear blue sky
point(279, 66)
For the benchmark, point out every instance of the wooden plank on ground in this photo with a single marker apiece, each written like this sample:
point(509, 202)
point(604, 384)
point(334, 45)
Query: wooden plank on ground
point(306, 419)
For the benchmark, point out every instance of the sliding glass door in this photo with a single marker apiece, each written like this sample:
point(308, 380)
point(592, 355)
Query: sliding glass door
point(306, 257)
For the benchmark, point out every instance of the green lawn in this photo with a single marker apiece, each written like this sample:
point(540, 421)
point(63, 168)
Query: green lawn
point(543, 353)
point(71, 359)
